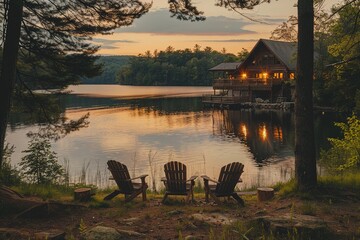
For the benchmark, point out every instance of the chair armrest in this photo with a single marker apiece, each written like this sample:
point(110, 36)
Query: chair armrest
point(240, 180)
point(111, 178)
point(192, 178)
point(142, 176)
point(206, 178)
point(163, 179)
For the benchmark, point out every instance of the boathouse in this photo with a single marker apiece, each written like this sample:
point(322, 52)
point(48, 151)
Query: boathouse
point(262, 77)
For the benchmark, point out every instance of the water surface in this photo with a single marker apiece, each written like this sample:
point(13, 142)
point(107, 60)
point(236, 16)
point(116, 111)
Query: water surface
point(146, 132)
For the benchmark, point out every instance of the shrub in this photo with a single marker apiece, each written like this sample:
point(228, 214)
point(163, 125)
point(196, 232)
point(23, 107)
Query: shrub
point(344, 153)
point(9, 175)
point(40, 165)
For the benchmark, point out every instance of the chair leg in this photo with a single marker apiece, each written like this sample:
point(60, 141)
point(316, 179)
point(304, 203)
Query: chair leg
point(216, 199)
point(128, 198)
point(112, 195)
point(164, 198)
point(238, 199)
point(144, 194)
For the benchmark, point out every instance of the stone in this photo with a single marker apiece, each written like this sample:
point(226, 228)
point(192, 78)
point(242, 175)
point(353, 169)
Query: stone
point(108, 233)
point(175, 212)
point(190, 237)
point(213, 218)
point(102, 233)
point(50, 235)
point(310, 227)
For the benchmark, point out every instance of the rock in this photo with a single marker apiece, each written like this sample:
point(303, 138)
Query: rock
point(50, 235)
point(213, 218)
point(130, 221)
point(102, 233)
point(108, 233)
point(309, 227)
point(175, 212)
point(190, 237)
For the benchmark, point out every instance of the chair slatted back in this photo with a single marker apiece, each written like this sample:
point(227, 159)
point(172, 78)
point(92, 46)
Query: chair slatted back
point(121, 176)
point(175, 173)
point(229, 177)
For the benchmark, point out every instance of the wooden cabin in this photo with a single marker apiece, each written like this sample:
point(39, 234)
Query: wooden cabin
point(261, 77)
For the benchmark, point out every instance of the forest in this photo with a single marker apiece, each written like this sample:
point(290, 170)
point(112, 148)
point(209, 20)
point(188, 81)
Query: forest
point(188, 67)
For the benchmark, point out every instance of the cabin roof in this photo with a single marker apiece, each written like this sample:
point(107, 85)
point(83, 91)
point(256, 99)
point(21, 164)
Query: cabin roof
point(285, 51)
point(231, 66)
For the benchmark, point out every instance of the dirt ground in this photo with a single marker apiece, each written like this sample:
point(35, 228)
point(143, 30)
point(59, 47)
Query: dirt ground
point(174, 220)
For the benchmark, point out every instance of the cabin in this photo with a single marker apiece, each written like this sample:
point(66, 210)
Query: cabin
point(262, 76)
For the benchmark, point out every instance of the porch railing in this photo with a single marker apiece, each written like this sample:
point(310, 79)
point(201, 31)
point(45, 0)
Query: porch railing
point(247, 82)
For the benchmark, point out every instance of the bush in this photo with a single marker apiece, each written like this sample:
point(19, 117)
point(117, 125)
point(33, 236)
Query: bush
point(40, 165)
point(9, 175)
point(344, 153)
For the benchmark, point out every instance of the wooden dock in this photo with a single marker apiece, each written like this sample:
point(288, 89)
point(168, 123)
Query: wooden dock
point(240, 102)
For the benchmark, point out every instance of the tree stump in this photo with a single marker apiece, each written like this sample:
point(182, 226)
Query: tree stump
point(82, 194)
point(265, 194)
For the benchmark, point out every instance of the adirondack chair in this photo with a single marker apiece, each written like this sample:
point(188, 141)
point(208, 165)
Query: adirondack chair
point(175, 181)
point(229, 177)
point(122, 178)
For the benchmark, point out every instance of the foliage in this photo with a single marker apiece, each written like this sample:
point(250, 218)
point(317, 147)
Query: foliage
point(111, 65)
point(344, 153)
point(174, 67)
point(9, 175)
point(341, 76)
point(40, 165)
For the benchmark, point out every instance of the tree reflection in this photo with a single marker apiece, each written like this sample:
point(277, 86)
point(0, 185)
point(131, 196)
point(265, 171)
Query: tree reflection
point(265, 133)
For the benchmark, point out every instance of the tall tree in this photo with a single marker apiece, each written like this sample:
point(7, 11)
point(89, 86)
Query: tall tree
point(305, 159)
point(54, 35)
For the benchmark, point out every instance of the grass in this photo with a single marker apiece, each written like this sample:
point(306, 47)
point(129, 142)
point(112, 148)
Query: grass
point(327, 185)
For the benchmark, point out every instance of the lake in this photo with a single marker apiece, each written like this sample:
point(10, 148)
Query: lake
point(144, 127)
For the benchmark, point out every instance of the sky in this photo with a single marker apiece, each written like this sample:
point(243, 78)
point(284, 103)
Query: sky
point(222, 28)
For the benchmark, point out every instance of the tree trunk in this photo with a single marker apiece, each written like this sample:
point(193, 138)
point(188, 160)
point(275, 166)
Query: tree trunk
point(305, 160)
point(8, 68)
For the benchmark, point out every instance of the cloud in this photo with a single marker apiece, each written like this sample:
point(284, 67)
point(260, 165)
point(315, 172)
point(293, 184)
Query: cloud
point(160, 23)
point(111, 41)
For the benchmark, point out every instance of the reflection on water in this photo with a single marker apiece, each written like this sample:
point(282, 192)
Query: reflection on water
point(146, 133)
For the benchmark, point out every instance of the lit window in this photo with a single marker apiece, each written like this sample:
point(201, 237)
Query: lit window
point(264, 75)
point(292, 75)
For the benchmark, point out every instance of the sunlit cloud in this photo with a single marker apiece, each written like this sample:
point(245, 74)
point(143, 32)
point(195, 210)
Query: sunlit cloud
point(160, 23)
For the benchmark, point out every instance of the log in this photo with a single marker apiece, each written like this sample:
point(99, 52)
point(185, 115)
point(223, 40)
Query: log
point(265, 194)
point(82, 194)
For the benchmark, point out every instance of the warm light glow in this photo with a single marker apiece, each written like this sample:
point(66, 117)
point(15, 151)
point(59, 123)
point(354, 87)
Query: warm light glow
point(278, 134)
point(292, 76)
point(263, 132)
point(244, 130)
point(264, 75)
point(243, 75)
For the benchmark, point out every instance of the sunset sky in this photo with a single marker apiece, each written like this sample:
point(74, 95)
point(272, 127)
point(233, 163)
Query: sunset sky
point(221, 29)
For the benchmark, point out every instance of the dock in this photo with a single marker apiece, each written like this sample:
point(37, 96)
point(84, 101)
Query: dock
point(226, 102)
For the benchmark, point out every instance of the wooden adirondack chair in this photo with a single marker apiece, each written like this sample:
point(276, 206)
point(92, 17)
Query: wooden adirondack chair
point(229, 177)
point(122, 178)
point(175, 181)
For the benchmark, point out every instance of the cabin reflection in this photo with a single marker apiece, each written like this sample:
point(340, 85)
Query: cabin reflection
point(265, 133)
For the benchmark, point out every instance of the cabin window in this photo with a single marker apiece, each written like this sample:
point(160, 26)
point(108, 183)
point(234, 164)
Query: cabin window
point(243, 75)
point(278, 75)
point(292, 76)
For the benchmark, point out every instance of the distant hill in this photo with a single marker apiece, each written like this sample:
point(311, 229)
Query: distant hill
point(112, 65)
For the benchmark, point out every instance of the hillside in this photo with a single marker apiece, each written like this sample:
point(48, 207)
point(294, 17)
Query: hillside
point(112, 64)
